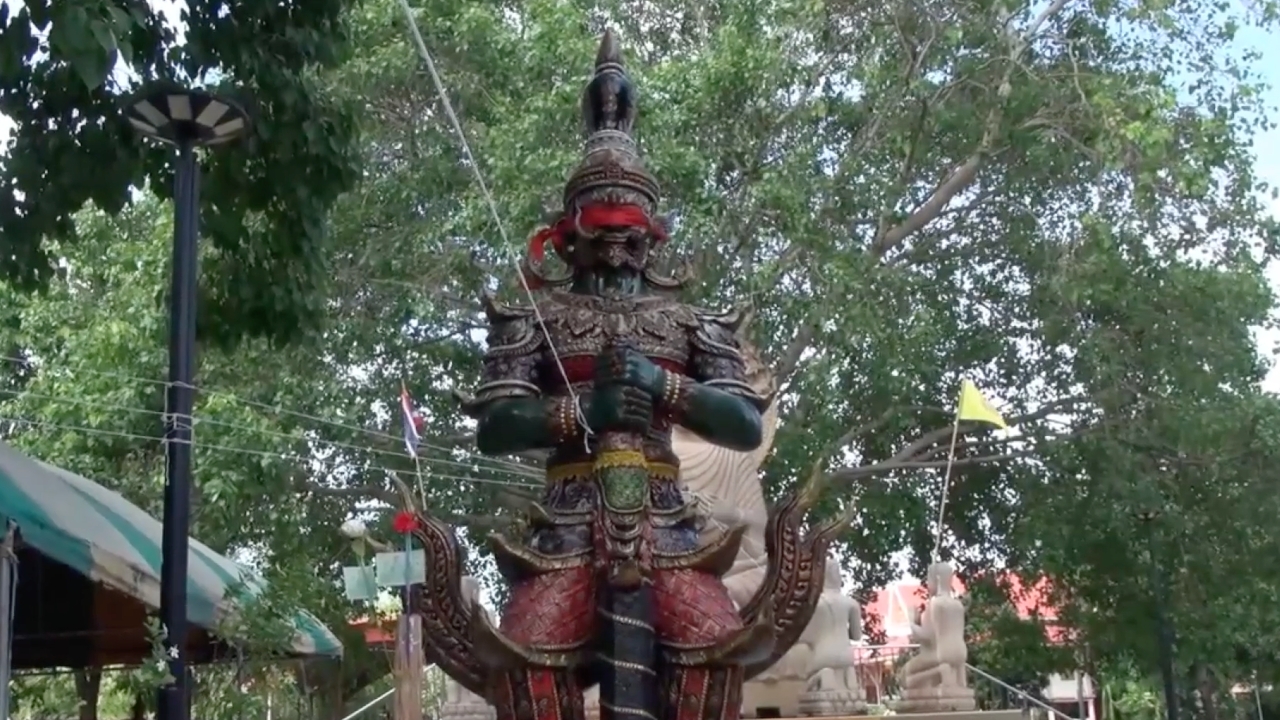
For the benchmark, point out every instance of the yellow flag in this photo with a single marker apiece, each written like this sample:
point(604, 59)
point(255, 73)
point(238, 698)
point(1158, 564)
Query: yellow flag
point(973, 406)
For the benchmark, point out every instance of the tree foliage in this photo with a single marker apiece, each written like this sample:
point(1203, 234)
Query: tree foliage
point(1055, 200)
point(66, 70)
point(87, 393)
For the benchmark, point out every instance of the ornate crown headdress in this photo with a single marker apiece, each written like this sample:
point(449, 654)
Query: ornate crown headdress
point(610, 184)
point(611, 170)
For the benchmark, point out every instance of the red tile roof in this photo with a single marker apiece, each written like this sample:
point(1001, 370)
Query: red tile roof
point(894, 604)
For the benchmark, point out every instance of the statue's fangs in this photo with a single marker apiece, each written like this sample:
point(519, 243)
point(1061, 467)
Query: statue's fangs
point(615, 582)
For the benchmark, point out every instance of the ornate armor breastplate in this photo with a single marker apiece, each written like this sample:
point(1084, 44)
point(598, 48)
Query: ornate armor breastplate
point(580, 326)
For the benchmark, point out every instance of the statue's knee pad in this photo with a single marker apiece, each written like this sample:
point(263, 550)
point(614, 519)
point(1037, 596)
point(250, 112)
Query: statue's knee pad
point(552, 610)
point(692, 608)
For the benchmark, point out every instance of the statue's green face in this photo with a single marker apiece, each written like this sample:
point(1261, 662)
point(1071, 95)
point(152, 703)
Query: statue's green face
point(612, 247)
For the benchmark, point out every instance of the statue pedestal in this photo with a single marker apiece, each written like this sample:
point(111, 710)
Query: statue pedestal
point(832, 703)
point(467, 711)
point(971, 715)
point(936, 700)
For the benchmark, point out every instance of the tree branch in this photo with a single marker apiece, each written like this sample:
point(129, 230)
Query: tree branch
point(964, 175)
point(858, 431)
point(890, 466)
point(790, 358)
point(924, 451)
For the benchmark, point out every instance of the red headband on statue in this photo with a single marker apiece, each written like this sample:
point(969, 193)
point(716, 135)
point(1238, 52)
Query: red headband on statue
point(589, 218)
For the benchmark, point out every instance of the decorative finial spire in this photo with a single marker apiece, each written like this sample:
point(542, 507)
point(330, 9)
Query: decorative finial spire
point(611, 170)
point(609, 101)
point(610, 52)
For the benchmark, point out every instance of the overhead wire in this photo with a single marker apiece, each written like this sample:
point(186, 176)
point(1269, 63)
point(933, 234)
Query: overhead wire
point(514, 469)
point(470, 157)
point(277, 409)
point(704, 502)
point(291, 457)
point(200, 419)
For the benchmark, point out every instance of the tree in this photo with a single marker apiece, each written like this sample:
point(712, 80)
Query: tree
point(1054, 200)
point(283, 434)
point(1021, 651)
point(65, 72)
point(58, 696)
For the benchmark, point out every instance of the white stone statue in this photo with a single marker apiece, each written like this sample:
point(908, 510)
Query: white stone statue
point(832, 686)
point(459, 702)
point(934, 678)
point(728, 483)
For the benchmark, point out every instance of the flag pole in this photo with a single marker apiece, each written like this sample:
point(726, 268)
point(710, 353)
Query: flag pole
point(409, 661)
point(417, 474)
point(417, 463)
point(946, 482)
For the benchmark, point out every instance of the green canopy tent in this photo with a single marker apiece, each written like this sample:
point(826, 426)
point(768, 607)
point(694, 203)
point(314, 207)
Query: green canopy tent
point(89, 573)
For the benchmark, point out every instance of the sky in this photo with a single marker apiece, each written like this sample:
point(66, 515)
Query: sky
point(1267, 149)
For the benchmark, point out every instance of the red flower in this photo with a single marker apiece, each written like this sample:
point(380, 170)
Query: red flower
point(404, 522)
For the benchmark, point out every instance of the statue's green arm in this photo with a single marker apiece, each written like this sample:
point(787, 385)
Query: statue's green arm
point(718, 416)
point(715, 400)
point(511, 413)
point(515, 425)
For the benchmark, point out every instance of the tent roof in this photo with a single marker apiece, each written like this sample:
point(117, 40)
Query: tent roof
point(99, 534)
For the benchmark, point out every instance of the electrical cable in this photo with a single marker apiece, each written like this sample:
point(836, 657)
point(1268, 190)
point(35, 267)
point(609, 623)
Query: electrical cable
point(247, 451)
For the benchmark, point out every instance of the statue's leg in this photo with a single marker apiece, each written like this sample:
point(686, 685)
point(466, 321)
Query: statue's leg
point(694, 610)
point(918, 667)
point(947, 675)
point(909, 667)
point(924, 677)
point(553, 613)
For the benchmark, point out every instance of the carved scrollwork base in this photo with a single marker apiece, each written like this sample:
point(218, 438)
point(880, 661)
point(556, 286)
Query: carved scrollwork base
point(446, 616)
point(794, 579)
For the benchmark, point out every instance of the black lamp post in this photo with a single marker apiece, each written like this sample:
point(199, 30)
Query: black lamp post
point(1164, 627)
point(185, 119)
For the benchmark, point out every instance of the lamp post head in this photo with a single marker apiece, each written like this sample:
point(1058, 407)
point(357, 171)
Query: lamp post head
point(186, 117)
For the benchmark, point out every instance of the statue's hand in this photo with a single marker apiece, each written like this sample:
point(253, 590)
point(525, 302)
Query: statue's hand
point(622, 365)
point(619, 408)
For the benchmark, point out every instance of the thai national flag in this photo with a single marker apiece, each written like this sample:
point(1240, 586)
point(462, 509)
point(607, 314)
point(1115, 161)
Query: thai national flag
point(412, 422)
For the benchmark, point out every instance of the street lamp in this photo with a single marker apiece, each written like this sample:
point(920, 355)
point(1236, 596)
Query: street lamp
point(186, 119)
point(1164, 628)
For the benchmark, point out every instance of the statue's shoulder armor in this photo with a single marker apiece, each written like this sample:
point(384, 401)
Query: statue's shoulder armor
point(513, 329)
point(716, 331)
point(718, 357)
